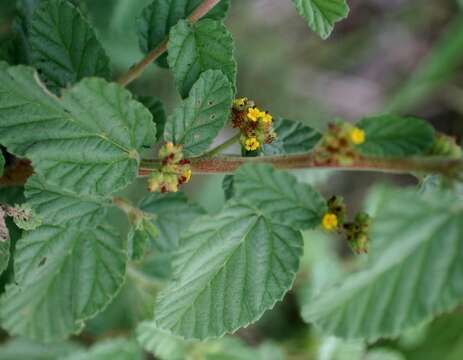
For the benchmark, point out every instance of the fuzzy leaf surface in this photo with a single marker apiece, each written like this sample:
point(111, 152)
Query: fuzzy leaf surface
point(322, 15)
point(279, 196)
point(415, 272)
point(193, 49)
point(292, 137)
point(58, 206)
point(62, 277)
point(229, 269)
point(88, 141)
point(161, 15)
point(394, 136)
point(201, 116)
point(64, 47)
point(174, 214)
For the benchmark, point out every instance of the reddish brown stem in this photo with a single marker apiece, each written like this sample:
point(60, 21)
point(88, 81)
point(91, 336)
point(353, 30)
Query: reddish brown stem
point(228, 164)
point(138, 69)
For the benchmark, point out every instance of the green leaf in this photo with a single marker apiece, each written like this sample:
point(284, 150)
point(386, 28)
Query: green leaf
point(229, 270)
point(113, 349)
point(165, 346)
point(59, 206)
point(227, 185)
point(62, 277)
point(161, 15)
point(21, 349)
point(156, 107)
point(2, 164)
point(393, 136)
point(279, 196)
point(321, 15)
point(173, 215)
point(64, 47)
point(415, 272)
point(442, 339)
point(87, 141)
point(160, 343)
point(193, 49)
point(202, 115)
point(292, 137)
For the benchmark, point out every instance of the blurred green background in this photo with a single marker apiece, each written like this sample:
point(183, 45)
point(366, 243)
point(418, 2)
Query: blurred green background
point(401, 56)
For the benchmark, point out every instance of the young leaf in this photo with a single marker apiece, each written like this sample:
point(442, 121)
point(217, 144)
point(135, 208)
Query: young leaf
point(415, 272)
point(196, 48)
point(88, 141)
point(279, 196)
point(59, 206)
point(173, 214)
point(64, 47)
point(161, 15)
point(63, 277)
point(229, 270)
point(393, 136)
point(292, 137)
point(202, 115)
point(321, 15)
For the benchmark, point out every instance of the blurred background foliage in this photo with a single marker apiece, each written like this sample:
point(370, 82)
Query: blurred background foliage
point(401, 56)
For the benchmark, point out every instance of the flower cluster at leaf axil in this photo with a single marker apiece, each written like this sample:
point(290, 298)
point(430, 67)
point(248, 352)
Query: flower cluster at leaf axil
point(355, 232)
point(256, 126)
point(173, 172)
point(339, 143)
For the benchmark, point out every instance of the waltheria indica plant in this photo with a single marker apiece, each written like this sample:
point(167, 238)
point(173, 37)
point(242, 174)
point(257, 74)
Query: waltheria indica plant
point(75, 138)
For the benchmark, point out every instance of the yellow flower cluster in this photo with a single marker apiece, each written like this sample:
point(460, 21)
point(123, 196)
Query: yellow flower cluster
point(255, 114)
point(174, 170)
point(256, 125)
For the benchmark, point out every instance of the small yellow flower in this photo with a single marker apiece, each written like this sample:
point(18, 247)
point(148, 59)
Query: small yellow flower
point(357, 136)
point(251, 144)
point(267, 118)
point(330, 222)
point(186, 175)
point(240, 102)
point(254, 114)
